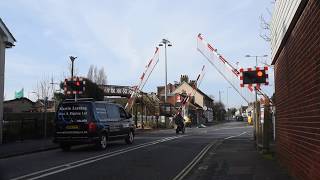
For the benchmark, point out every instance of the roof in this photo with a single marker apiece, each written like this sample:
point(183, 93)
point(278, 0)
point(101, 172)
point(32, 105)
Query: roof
point(198, 90)
point(20, 99)
point(8, 37)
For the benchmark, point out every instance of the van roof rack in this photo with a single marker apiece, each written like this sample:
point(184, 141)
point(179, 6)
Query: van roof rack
point(79, 99)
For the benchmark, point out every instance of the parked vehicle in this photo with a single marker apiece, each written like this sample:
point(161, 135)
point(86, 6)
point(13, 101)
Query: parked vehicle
point(92, 122)
point(239, 118)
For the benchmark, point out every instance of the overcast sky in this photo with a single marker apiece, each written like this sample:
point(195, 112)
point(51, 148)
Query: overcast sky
point(121, 37)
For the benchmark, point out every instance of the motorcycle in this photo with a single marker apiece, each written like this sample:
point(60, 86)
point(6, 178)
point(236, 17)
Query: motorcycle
point(181, 127)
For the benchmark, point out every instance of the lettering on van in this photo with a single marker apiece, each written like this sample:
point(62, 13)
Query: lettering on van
point(73, 113)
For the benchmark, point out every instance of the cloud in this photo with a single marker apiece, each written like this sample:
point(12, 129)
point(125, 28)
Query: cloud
point(121, 36)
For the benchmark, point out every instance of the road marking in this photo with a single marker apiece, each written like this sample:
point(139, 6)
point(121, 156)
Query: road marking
point(235, 136)
point(196, 160)
point(71, 165)
point(231, 128)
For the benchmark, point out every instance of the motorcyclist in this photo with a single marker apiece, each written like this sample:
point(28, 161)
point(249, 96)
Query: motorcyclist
point(179, 121)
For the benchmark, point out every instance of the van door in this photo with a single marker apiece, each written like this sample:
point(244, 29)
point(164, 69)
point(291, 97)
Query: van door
point(125, 121)
point(113, 120)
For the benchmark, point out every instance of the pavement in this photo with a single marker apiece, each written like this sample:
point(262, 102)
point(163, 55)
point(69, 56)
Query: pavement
point(222, 151)
point(26, 147)
point(237, 159)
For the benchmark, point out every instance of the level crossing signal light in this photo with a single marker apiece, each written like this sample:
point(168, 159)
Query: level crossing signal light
point(74, 86)
point(255, 77)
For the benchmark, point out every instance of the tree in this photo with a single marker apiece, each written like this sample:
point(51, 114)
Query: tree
point(232, 111)
point(265, 32)
point(90, 73)
point(43, 88)
point(219, 110)
point(102, 78)
point(97, 76)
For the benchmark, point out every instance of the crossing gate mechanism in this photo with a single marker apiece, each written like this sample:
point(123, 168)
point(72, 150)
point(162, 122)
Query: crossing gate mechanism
point(143, 79)
point(236, 78)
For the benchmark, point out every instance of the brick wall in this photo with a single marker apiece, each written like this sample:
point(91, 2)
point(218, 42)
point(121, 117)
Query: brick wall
point(297, 81)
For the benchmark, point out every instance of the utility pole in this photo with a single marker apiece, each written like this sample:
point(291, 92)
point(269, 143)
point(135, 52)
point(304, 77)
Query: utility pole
point(220, 104)
point(72, 58)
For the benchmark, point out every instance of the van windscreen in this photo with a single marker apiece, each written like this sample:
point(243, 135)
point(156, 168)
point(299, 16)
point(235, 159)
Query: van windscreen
point(73, 112)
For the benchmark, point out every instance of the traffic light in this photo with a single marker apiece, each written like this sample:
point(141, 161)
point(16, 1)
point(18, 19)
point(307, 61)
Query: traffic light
point(74, 86)
point(255, 77)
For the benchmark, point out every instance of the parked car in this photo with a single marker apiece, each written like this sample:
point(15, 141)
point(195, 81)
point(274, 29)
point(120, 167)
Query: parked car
point(92, 122)
point(239, 118)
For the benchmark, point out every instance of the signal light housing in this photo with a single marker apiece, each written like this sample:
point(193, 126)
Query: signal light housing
point(74, 86)
point(255, 76)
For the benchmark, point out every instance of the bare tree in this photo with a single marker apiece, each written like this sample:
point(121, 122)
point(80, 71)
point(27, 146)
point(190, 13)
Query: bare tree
point(265, 32)
point(102, 78)
point(90, 73)
point(43, 88)
point(97, 75)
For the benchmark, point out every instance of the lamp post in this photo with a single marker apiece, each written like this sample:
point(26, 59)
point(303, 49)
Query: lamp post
point(73, 58)
point(256, 125)
point(228, 102)
point(165, 43)
point(220, 104)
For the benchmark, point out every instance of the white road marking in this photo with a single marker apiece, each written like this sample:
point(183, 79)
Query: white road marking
point(71, 165)
point(195, 161)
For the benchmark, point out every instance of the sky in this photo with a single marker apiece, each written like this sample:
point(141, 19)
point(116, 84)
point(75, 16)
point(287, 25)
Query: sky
point(121, 36)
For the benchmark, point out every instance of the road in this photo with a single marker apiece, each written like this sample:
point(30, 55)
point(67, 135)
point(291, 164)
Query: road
point(154, 155)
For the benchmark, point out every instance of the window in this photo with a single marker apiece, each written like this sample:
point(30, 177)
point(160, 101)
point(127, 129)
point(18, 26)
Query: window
point(113, 111)
point(123, 114)
point(101, 111)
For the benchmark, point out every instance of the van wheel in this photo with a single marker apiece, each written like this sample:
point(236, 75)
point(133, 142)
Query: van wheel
point(102, 143)
point(130, 138)
point(65, 147)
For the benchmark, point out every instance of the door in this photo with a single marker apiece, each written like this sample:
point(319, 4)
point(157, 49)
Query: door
point(125, 121)
point(114, 120)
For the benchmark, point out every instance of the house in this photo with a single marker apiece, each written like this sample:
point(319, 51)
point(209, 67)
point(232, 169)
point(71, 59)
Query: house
point(199, 107)
point(19, 105)
point(201, 104)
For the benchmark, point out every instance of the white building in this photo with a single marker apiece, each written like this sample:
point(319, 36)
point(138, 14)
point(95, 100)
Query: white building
point(6, 41)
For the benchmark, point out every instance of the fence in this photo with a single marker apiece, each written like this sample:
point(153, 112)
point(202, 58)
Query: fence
point(153, 122)
point(22, 126)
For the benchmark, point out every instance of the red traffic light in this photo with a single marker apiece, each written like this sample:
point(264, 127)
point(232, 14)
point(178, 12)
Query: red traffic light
point(259, 73)
point(77, 83)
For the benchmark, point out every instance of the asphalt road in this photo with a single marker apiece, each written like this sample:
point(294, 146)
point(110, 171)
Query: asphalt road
point(154, 155)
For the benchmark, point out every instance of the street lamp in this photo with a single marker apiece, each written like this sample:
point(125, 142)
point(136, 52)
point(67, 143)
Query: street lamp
point(72, 58)
point(248, 56)
point(228, 101)
point(166, 43)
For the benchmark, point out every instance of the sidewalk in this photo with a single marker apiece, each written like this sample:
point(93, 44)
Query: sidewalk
point(26, 147)
point(237, 159)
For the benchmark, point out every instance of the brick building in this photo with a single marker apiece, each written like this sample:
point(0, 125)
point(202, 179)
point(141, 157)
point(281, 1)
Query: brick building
point(295, 44)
